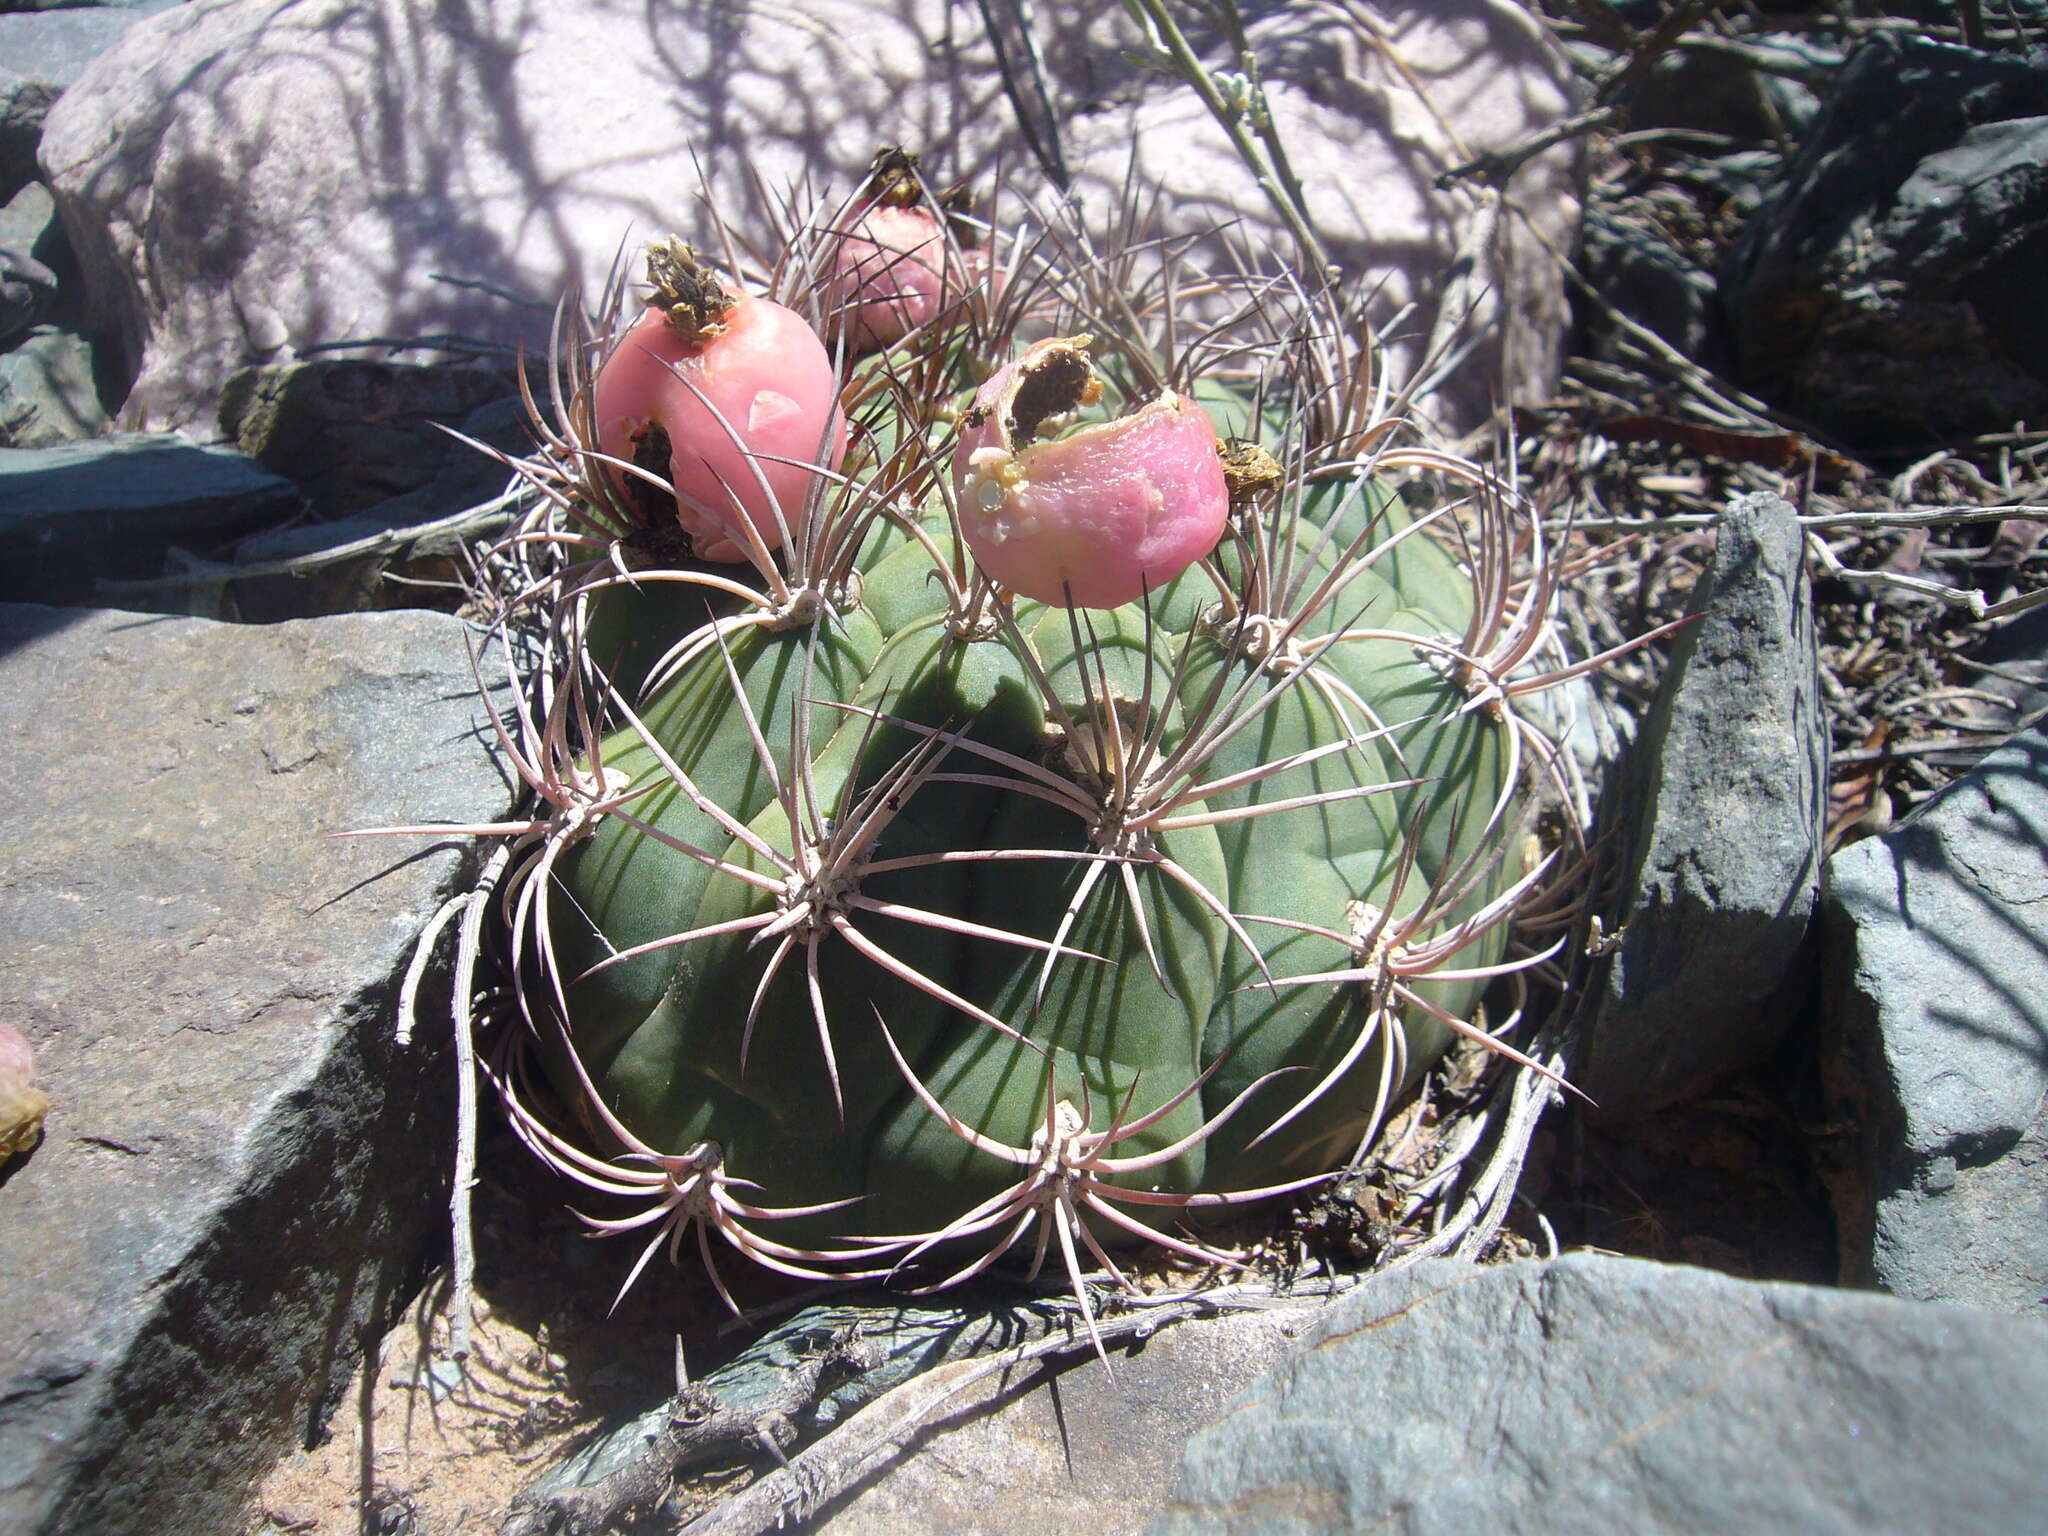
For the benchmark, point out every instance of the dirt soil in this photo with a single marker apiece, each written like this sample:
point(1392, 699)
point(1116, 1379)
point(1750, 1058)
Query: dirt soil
point(428, 1446)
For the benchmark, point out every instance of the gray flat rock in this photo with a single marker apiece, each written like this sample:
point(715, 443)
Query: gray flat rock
point(29, 218)
point(1936, 946)
point(1909, 225)
point(29, 226)
point(239, 1172)
point(111, 507)
point(55, 45)
point(1615, 1395)
point(1637, 267)
point(1728, 787)
point(352, 433)
point(24, 103)
point(47, 396)
point(27, 291)
point(1084, 1451)
point(1093, 1446)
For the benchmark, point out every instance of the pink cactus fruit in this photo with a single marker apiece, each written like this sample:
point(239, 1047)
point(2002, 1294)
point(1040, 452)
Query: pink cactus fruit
point(22, 1103)
point(1100, 516)
point(734, 398)
point(894, 268)
point(887, 275)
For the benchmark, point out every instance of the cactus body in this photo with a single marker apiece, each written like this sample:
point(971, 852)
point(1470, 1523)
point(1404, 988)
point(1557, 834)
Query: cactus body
point(1149, 987)
point(910, 913)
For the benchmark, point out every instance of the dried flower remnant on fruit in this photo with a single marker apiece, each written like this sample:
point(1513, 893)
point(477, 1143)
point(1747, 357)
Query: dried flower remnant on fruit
point(691, 299)
point(1098, 517)
point(1249, 470)
point(893, 179)
point(1054, 380)
point(22, 1103)
point(732, 398)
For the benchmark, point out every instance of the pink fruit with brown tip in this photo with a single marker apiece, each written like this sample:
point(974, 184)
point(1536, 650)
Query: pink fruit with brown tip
point(1101, 516)
point(732, 397)
point(890, 275)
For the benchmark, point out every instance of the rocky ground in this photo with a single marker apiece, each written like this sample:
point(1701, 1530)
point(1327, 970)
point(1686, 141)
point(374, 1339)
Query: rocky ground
point(1802, 401)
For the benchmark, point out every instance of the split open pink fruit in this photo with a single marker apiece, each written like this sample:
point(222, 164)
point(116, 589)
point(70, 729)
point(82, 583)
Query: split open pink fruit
point(1096, 518)
point(735, 399)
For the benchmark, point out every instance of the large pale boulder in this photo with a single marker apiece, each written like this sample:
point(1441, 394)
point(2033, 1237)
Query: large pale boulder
point(244, 178)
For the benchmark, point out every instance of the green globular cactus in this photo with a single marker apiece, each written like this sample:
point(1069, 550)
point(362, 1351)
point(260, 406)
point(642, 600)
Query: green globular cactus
point(1060, 829)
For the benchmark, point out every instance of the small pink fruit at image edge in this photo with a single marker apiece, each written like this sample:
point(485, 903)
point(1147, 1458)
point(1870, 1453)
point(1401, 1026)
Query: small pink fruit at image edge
point(22, 1103)
point(733, 397)
point(1097, 518)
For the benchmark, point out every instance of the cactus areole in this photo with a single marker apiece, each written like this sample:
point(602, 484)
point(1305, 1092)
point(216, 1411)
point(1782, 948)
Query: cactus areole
point(1018, 864)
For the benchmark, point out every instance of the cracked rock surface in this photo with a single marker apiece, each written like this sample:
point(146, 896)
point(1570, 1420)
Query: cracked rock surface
point(187, 155)
point(1600, 1394)
point(1936, 949)
point(1728, 783)
point(238, 1173)
point(1099, 1447)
